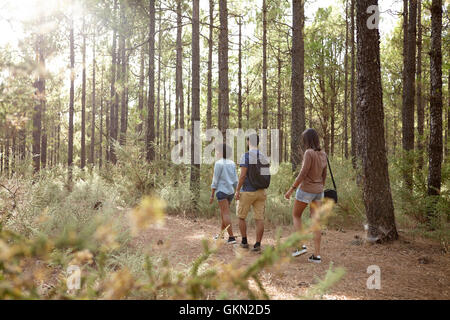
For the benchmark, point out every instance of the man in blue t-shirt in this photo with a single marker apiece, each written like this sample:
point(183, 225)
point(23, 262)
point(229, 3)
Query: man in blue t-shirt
point(248, 196)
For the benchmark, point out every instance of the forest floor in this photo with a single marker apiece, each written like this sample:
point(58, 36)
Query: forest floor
point(411, 268)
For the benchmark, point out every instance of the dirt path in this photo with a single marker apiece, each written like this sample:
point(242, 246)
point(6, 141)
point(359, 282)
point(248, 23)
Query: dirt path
point(410, 268)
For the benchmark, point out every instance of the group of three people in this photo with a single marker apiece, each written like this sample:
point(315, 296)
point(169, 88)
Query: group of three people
point(309, 184)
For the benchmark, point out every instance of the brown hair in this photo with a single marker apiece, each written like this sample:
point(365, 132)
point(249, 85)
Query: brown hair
point(311, 139)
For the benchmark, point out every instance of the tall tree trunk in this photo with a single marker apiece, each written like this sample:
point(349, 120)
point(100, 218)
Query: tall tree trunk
point(279, 111)
point(113, 102)
point(179, 69)
point(169, 119)
point(447, 131)
point(158, 110)
point(123, 73)
point(247, 99)
point(164, 144)
point(223, 67)
point(420, 104)
point(240, 74)
point(100, 143)
point(6, 168)
point(435, 143)
point(92, 147)
point(210, 52)
point(58, 139)
point(141, 93)
point(264, 67)
point(22, 142)
point(297, 82)
point(346, 84)
point(188, 94)
point(370, 114)
point(195, 116)
point(71, 100)
point(150, 136)
point(409, 94)
point(83, 99)
point(43, 133)
point(39, 86)
point(352, 85)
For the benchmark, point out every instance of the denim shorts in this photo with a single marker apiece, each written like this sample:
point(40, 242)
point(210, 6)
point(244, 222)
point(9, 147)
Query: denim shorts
point(307, 197)
point(222, 196)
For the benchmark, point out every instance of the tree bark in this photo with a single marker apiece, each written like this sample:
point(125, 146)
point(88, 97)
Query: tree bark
point(435, 143)
point(420, 103)
point(113, 101)
point(223, 67)
point(83, 99)
point(279, 111)
point(100, 143)
point(150, 137)
point(346, 84)
point(123, 75)
point(39, 86)
point(164, 144)
point(240, 74)
point(409, 94)
point(352, 85)
point(297, 82)
point(92, 146)
point(210, 52)
point(71, 100)
point(370, 114)
point(195, 114)
point(179, 70)
point(264, 66)
point(141, 92)
point(158, 110)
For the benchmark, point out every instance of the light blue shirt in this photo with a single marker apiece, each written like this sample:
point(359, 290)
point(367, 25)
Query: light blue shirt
point(225, 176)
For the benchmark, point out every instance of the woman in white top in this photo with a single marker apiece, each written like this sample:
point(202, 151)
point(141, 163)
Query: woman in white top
point(224, 183)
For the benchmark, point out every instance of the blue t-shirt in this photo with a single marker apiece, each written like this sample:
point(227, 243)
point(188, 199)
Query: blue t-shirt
point(245, 161)
point(225, 178)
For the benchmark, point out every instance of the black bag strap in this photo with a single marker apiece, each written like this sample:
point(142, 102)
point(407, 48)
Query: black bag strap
point(331, 173)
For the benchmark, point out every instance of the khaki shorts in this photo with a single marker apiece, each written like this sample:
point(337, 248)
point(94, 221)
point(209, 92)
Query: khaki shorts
point(255, 199)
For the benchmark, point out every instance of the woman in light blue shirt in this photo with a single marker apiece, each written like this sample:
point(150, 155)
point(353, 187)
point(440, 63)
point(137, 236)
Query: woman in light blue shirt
point(223, 185)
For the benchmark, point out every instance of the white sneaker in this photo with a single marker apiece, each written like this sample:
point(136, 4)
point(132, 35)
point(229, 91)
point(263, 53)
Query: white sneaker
point(315, 259)
point(299, 252)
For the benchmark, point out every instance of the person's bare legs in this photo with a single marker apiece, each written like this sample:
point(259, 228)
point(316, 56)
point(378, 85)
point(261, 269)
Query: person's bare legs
point(297, 212)
point(243, 227)
point(259, 229)
point(225, 213)
point(318, 232)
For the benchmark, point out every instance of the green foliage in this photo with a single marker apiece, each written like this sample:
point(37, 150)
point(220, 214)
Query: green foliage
point(65, 230)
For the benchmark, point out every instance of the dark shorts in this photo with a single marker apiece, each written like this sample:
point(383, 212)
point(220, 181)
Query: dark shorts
point(223, 196)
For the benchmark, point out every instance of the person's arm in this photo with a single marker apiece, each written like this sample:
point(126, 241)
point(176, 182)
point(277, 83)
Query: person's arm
point(236, 180)
point(324, 176)
point(306, 165)
point(241, 182)
point(211, 199)
point(215, 181)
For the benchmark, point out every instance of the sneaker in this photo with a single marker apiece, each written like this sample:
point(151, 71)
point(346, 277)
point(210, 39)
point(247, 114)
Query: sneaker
point(231, 240)
point(315, 259)
point(256, 248)
point(299, 252)
point(244, 245)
